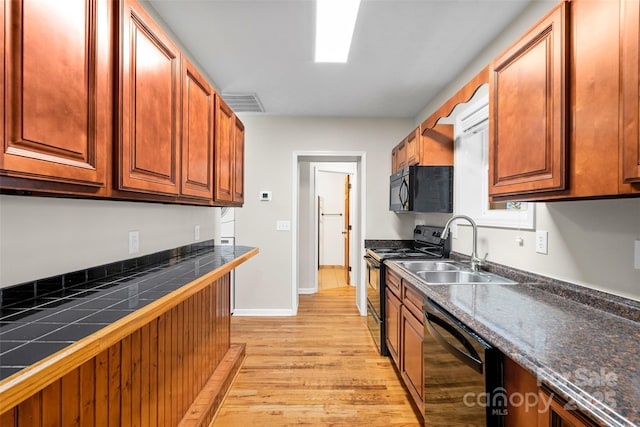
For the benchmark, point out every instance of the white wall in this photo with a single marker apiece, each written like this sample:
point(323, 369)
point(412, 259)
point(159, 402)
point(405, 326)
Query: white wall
point(590, 243)
point(536, 10)
point(42, 237)
point(331, 192)
point(265, 282)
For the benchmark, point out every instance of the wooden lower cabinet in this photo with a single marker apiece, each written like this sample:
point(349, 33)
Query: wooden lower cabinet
point(518, 380)
point(393, 320)
point(168, 371)
point(411, 356)
point(552, 412)
point(529, 405)
point(405, 334)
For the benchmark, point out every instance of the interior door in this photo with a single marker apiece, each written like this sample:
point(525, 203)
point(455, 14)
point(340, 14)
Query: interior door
point(347, 228)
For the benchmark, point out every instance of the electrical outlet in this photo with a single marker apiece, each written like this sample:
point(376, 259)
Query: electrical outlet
point(196, 232)
point(637, 255)
point(134, 242)
point(542, 241)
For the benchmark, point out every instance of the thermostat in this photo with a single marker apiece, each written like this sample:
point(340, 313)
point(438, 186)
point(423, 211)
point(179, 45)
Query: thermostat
point(265, 196)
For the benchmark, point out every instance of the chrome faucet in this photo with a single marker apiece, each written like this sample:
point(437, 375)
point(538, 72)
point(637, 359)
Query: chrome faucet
point(476, 262)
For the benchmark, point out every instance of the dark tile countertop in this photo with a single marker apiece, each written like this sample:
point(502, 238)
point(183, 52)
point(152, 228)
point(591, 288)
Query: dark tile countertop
point(586, 354)
point(35, 328)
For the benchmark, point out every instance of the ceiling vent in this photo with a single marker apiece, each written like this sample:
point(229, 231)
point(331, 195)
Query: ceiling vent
point(243, 102)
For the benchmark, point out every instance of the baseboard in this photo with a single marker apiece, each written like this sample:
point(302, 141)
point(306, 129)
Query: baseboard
point(209, 400)
point(267, 312)
point(306, 291)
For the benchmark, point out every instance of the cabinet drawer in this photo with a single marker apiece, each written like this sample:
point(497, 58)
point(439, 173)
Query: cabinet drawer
point(392, 281)
point(412, 299)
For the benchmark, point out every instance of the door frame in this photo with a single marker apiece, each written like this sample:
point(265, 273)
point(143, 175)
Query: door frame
point(359, 221)
point(346, 168)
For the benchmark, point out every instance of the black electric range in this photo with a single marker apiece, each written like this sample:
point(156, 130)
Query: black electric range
point(426, 244)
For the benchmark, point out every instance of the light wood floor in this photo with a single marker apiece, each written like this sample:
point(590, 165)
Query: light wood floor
point(319, 368)
point(330, 277)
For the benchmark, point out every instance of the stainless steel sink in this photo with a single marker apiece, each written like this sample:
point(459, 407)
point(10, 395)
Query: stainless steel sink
point(451, 272)
point(415, 266)
point(462, 277)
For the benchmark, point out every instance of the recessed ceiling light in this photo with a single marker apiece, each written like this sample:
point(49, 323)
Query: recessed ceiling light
point(335, 21)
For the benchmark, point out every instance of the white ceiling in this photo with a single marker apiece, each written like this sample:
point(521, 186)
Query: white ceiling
point(403, 52)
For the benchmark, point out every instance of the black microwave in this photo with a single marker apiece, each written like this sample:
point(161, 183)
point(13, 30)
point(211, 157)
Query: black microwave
point(422, 189)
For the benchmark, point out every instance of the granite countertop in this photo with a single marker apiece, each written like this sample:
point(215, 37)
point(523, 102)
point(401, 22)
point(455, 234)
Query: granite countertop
point(35, 328)
point(587, 355)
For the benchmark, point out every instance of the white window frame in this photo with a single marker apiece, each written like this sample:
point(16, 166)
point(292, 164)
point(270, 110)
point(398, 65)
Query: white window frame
point(472, 185)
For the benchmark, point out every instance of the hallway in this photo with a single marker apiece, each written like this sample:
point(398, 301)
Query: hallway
point(318, 368)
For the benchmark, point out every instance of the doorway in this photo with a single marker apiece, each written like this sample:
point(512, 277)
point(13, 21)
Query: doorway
point(333, 189)
point(308, 214)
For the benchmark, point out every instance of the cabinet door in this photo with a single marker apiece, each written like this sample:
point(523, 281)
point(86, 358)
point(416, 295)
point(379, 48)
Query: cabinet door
point(528, 129)
point(630, 59)
point(197, 134)
point(57, 96)
point(225, 124)
point(411, 356)
point(392, 326)
point(555, 414)
point(436, 145)
point(401, 155)
point(412, 148)
point(238, 162)
point(149, 105)
point(394, 160)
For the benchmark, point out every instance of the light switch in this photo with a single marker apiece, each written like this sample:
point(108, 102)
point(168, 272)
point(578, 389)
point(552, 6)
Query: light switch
point(134, 242)
point(636, 263)
point(283, 225)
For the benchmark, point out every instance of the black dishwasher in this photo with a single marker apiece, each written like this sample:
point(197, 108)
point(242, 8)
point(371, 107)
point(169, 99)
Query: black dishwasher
point(463, 378)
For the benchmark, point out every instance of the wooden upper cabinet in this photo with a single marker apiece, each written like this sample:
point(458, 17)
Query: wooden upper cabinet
point(437, 145)
point(412, 144)
point(528, 110)
point(238, 162)
point(57, 90)
point(630, 58)
point(401, 156)
point(394, 160)
point(198, 111)
point(149, 138)
point(224, 139)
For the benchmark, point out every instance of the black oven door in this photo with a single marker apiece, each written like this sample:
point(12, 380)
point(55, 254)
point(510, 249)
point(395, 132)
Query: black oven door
point(373, 283)
point(375, 310)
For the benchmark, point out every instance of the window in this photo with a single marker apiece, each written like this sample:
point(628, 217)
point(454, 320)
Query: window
point(471, 159)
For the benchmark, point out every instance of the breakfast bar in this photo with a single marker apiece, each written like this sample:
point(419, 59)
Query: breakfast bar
point(146, 345)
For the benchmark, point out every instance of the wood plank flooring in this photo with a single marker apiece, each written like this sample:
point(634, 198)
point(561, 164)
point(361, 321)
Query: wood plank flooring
point(319, 368)
point(330, 277)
